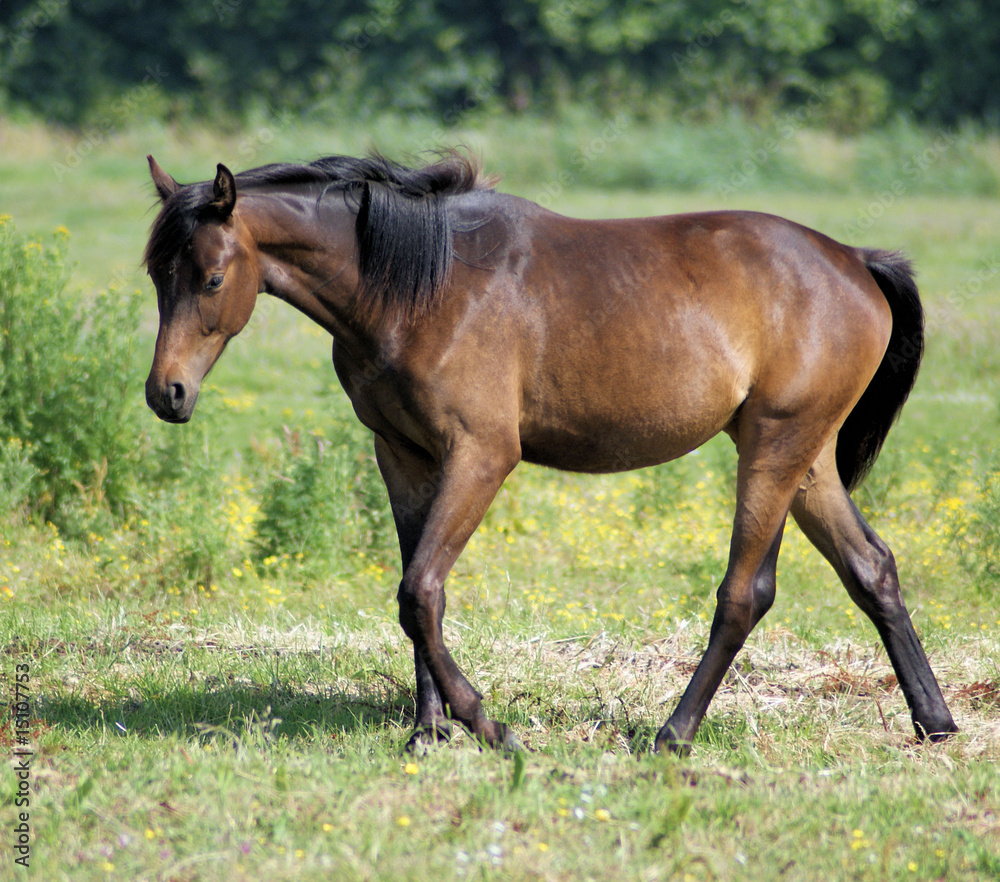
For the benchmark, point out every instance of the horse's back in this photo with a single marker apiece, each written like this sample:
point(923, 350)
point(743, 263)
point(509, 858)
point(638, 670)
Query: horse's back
point(648, 335)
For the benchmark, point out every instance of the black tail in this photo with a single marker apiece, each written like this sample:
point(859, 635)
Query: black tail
point(865, 428)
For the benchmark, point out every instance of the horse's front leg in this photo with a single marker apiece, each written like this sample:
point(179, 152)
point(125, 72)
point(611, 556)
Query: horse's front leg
point(412, 485)
point(436, 508)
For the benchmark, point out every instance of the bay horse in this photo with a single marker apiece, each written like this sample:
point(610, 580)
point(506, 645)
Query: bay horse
point(474, 329)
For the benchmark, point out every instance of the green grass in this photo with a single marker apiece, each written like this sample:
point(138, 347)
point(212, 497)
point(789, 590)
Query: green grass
point(268, 747)
point(201, 711)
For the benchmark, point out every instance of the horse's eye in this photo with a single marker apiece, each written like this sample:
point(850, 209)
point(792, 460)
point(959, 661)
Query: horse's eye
point(214, 283)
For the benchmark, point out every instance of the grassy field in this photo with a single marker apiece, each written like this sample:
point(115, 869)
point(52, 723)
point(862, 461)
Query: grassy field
point(210, 699)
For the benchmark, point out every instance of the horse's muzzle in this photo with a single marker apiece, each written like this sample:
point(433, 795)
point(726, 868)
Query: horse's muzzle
point(172, 402)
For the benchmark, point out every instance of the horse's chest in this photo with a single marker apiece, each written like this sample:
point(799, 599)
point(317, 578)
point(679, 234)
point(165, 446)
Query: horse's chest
point(382, 399)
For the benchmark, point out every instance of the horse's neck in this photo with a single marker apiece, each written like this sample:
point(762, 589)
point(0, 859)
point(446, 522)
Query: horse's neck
point(306, 251)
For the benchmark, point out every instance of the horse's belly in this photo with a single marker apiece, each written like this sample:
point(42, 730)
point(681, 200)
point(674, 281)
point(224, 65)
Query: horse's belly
point(620, 444)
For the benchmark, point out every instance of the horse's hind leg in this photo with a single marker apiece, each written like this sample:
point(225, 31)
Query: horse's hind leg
point(826, 514)
point(768, 475)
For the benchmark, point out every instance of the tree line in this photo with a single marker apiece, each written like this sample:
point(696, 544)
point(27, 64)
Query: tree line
point(69, 60)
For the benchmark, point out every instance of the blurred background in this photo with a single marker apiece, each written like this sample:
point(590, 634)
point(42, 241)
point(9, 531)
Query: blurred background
point(875, 121)
point(869, 60)
point(721, 97)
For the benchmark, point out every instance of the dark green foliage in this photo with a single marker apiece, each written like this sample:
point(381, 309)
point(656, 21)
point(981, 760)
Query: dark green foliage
point(100, 62)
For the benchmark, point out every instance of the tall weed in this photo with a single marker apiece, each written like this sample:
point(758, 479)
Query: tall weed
point(16, 474)
point(67, 387)
point(325, 499)
point(982, 560)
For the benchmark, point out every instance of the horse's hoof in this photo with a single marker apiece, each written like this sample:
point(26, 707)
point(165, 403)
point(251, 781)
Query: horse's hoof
point(679, 749)
point(423, 738)
point(668, 741)
point(497, 736)
point(510, 742)
point(936, 732)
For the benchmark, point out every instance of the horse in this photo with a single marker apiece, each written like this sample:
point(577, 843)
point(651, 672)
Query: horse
point(473, 329)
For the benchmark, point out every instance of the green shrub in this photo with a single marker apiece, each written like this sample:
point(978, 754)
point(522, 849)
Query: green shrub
point(983, 563)
point(856, 102)
point(67, 387)
point(181, 510)
point(16, 475)
point(326, 499)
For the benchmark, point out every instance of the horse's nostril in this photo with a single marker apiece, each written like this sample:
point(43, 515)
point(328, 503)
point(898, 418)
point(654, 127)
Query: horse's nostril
point(177, 395)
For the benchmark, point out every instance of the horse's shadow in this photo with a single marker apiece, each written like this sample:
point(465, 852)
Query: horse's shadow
point(239, 713)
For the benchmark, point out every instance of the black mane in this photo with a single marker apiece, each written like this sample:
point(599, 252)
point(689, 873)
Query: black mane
point(404, 233)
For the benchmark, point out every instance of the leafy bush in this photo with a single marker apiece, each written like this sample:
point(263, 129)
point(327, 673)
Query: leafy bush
point(16, 474)
point(326, 498)
point(106, 65)
point(183, 512)
point(67, 387)
point(984, 528)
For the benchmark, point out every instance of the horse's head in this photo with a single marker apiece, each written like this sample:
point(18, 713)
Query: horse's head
point(203, 262)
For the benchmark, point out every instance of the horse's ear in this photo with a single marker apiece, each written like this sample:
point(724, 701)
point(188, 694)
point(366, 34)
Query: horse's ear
point(224, 192)
point(166, 186)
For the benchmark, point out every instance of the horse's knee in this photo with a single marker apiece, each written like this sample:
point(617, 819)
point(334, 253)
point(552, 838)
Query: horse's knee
point(732, 622)
point(421, 606)
point(765, 588)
